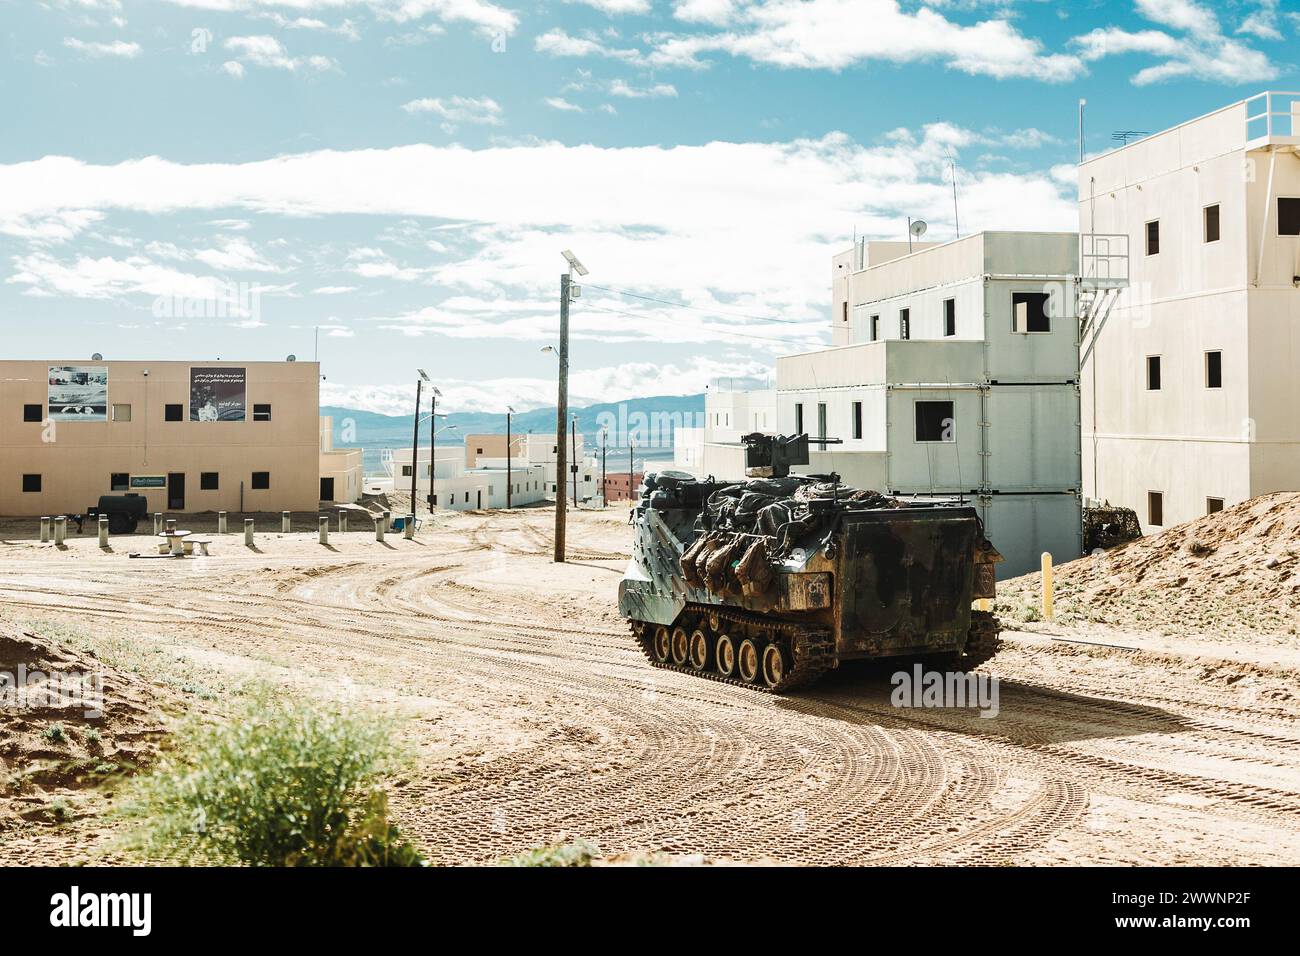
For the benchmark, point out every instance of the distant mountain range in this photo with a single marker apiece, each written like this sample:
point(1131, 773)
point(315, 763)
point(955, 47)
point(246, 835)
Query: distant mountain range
point(653, 420)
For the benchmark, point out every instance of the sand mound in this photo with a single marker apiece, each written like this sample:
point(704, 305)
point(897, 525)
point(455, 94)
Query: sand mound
point(68, 723)
point(1237, 571)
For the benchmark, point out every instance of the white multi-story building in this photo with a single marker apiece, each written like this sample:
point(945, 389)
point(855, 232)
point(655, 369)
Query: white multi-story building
point(729, 413)
point(1189, 376)
point(460, 487)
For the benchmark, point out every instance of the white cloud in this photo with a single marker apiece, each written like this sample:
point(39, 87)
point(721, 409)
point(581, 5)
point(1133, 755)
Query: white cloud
point(563, 105)
point(268, 52)
point(334, 289)
point(557, 42)
point(483, 15)
point(1263, 22)
point(234, 68)
point(713, 12)
point(116, 48)
point(616, 7)
point(620, 88)
point(835, 34)
point(454, 110)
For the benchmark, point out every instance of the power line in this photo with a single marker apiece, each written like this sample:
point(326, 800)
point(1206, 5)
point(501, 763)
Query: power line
point(693, 308)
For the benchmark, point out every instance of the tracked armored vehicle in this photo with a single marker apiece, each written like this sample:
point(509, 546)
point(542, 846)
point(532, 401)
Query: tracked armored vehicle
point(774, 580)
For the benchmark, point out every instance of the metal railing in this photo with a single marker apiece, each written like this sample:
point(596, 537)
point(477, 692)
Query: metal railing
point(1103, 260)
point(1275, 113)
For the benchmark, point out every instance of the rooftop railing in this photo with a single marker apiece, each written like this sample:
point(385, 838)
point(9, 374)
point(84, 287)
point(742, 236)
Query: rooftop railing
point(1272, 115)
point(1104, 260)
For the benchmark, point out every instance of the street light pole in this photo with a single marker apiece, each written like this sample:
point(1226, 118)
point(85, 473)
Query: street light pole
point(575, 460)
point(433, 443)
point(604, 488)
point(631, 447)
point(562, 403)
point(415, 437)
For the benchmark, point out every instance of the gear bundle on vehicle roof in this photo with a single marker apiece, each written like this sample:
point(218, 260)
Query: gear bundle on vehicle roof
point(774, 580)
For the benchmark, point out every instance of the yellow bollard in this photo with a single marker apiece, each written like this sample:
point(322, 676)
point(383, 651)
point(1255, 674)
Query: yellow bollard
point(1048, 596)
point(982, 604)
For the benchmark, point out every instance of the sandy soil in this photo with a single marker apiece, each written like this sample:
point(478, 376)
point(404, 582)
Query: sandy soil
point(535, 718)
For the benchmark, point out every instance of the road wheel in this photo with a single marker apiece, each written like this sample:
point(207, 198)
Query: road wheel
point(748, 661)
point(681, 645)
point(773, 665)
point(662, 645)
point(699, 651)
point(715, 622)
point(724, 654)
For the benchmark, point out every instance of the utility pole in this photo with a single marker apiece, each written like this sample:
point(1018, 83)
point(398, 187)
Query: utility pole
point(631, 447)
point(575, 460)
point(415, 437)
point(562, 404)
point(509, 473)
point(604, 488)
point(433, 443)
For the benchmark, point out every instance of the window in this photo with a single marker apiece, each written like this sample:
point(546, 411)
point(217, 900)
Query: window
point(261, 413)
point(798, 418)
point(208, 481)
point(821, 420)
point(261, 480)
point(1155, 508)
point(1153, 373)
point(1153, 237)
point(172, 413)
point(552, 487)
point(1212, 223)
point(904, 324)
point(33, 413)
point(844, 312)
point(1214, 370)
point(934, 422)
point(478, 451)
point(121, 413)
point(1029, 312)
point(875, 328)
point(857, 419)
point(119, 481)
point(31, 483)
point(1288, 217)
point(949, 316)
point(1213, 505)
point(407, 471)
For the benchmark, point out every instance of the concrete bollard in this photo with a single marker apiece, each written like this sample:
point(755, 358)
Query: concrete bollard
point(170, 524)
point(248, 532)
point(286, 524)
point(60, 529)
point(1049, 596)
point(178, 545)
point(409, 530)
point(324, 523)
point(157, 522)
point(45, 530)
point(221, 522)
point(381, 522)
point(343, 520)
point(103, 531)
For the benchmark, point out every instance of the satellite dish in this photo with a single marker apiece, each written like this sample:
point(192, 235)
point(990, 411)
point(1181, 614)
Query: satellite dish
point(291, 358)
point(918, 228)
point(97, 357)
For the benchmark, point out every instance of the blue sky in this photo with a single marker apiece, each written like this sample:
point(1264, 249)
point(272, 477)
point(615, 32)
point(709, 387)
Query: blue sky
point(194, 179)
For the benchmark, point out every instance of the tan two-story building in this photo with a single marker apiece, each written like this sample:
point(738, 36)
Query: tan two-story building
point(188, 436)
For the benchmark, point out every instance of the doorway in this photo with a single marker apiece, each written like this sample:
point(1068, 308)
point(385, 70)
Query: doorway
point(176, 491)
point(479, 502)
point(327, 489)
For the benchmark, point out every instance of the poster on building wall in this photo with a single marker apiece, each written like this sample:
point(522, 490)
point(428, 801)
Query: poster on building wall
point(217, 394)
point(78, 393)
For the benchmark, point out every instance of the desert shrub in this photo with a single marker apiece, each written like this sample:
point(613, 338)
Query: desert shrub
point(280, 784)
point(577, 853)
point(55, 734)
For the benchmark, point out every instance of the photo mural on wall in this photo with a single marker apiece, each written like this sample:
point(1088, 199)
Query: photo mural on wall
point(218, 394)
point(78, 393)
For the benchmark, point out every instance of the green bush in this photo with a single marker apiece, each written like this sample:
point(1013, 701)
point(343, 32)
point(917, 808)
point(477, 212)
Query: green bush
point(280, 784)
point(577, 853)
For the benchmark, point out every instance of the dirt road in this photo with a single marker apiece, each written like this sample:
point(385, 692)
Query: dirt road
point(535, 718)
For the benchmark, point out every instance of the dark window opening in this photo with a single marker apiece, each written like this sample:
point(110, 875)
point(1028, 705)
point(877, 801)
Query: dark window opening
point(875, 328)
point(1153, 237)
point(478, 451)
point(904, 324)
point(857, 419)
point(262, 413)
point(798, 418)
point(1213, 505)
point(1214, 370)
point(1029, 312)
point(845, 312)
point(949, 317)
point(1153, 373)
point(208, 481)
point(172, 413)
point(31, 483)
point(407, 471)
point(1212, 223)
point(261, 480)
point(1155, 508)
point(1288, 217)
point(821, 420)
point(33, 413)
point(119, 481)
point(934, 422)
